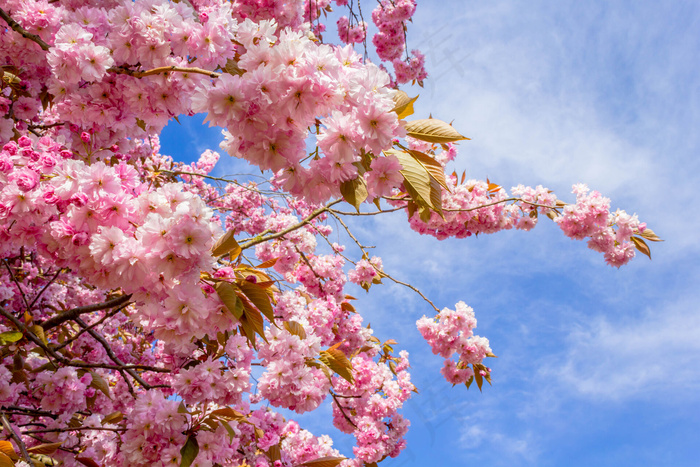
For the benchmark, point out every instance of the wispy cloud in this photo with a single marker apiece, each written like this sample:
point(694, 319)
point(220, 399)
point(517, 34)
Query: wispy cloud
point(641, 358)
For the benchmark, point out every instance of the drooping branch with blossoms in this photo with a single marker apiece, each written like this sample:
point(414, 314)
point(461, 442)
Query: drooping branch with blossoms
point(137, 293)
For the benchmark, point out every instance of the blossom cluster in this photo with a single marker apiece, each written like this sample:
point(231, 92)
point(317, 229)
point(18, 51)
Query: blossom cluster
point(451, 333)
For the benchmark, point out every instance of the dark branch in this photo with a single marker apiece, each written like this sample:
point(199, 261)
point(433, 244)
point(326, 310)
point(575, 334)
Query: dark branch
point(75, 312)
point(26, 34)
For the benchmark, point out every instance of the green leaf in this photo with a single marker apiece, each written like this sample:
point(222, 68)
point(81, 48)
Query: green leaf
point(9, 337)
point(189, 451)
point(227, 294)
point(226, 244)
point(433, 130)
point(403, 104)
point(354, 191)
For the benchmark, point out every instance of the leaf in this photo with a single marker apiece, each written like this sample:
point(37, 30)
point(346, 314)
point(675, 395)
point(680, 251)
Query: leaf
point(335, 359)
point(327, 461)
point(267, 264)
point(252, 316)
point(258, 297)
point(641, 245)
point(423, 188)
point(403, 104)
point(295, 328)
point(189, 451)
point(9, 450)
point(274, 453)
point(99, 383)
point(650, 235)
point(5, 460)
point(354, 191)
point(432, 166)
point(226, 244)
point(232, 68)
point(113, 418)
point(39, 332)
point(9, 337)
point(433, 130)
point(87, 461)
point(227, 294)
point(47, 449)
point(229, 414)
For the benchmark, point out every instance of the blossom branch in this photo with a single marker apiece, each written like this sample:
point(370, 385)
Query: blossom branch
point(19, 29)
point(162, 69)
point(284, 232)
point(69, 429)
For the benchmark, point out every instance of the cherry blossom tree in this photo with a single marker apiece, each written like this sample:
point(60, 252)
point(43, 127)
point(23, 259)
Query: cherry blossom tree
point(153, 314)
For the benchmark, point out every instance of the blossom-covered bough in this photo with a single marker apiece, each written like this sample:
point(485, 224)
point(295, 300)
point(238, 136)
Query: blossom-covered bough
point(137, 293)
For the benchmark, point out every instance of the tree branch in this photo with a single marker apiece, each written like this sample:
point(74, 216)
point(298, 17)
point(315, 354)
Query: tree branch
point(75, 312)
point(16, 437)
point(26, 34)
point(162, 69)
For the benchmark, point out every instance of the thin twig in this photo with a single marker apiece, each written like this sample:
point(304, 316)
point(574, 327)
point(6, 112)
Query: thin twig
point(14, 279)
point(98, 337)
point(284, 232)
point(69, 429)
point(45, 287)
point(340, 407)
point(93, 325)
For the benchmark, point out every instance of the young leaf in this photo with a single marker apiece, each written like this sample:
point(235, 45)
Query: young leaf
point(295, 328)
point(189, 451)
point(47, 449)
point(641, 245)
point(433, 130)
point(86, 461)
point(226, 244)
point(99, 383)
point(650, 235)
point(227, 294)
point(229, 414)
point(354, 192)
point(432, 166)
point(5, 460)
point(336, 360)
point(323, 462)
point(9, 450)
point(403, 104)
point(114, 417)
point(420, 185)
point(258, 297)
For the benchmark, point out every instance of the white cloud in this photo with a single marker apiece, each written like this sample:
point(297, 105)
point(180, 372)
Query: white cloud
point(637, 359)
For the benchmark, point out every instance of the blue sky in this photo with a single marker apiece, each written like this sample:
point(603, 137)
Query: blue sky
point(596, 365)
